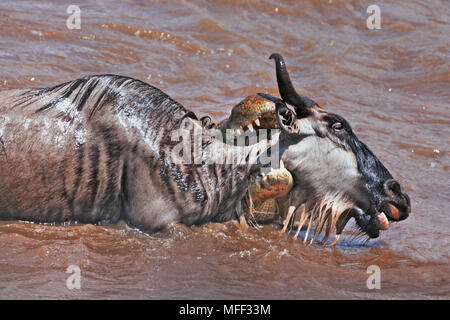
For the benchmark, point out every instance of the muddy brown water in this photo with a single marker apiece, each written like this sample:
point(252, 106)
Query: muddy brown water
point(391, 84)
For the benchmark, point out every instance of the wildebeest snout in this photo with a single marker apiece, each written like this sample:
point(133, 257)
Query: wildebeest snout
point(397, 204)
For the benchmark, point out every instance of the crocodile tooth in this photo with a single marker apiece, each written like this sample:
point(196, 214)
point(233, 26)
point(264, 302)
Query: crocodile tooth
point(250, 127)
point(257, 123)
point(282, 164)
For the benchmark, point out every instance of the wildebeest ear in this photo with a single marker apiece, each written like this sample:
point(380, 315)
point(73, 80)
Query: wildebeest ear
point(286, 117)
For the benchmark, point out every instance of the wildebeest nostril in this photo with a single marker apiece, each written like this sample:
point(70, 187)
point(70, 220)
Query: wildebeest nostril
point(392, 186)
point(398, 206)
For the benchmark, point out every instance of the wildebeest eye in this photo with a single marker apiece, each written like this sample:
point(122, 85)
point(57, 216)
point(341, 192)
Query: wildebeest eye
point(337, 126)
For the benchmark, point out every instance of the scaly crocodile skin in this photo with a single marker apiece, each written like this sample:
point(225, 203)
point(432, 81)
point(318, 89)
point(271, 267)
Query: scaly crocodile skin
point(256, 112)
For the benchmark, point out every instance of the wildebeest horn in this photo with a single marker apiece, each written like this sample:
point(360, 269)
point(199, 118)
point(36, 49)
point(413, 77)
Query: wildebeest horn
point(287, 91)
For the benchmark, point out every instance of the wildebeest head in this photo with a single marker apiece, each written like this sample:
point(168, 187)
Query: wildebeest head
point(336, 175)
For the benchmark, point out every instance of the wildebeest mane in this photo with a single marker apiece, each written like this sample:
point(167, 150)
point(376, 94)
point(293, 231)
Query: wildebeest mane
point(94, 92)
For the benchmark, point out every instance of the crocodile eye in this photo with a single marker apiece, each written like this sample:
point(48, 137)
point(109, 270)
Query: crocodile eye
point(337, 127)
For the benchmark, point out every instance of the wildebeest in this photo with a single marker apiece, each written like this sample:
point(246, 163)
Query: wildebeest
point(100, 149)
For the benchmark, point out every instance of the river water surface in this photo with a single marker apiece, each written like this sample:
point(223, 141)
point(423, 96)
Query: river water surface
point(391, 84)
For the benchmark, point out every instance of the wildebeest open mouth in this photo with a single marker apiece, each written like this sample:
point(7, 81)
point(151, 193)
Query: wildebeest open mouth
point(328, 216)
